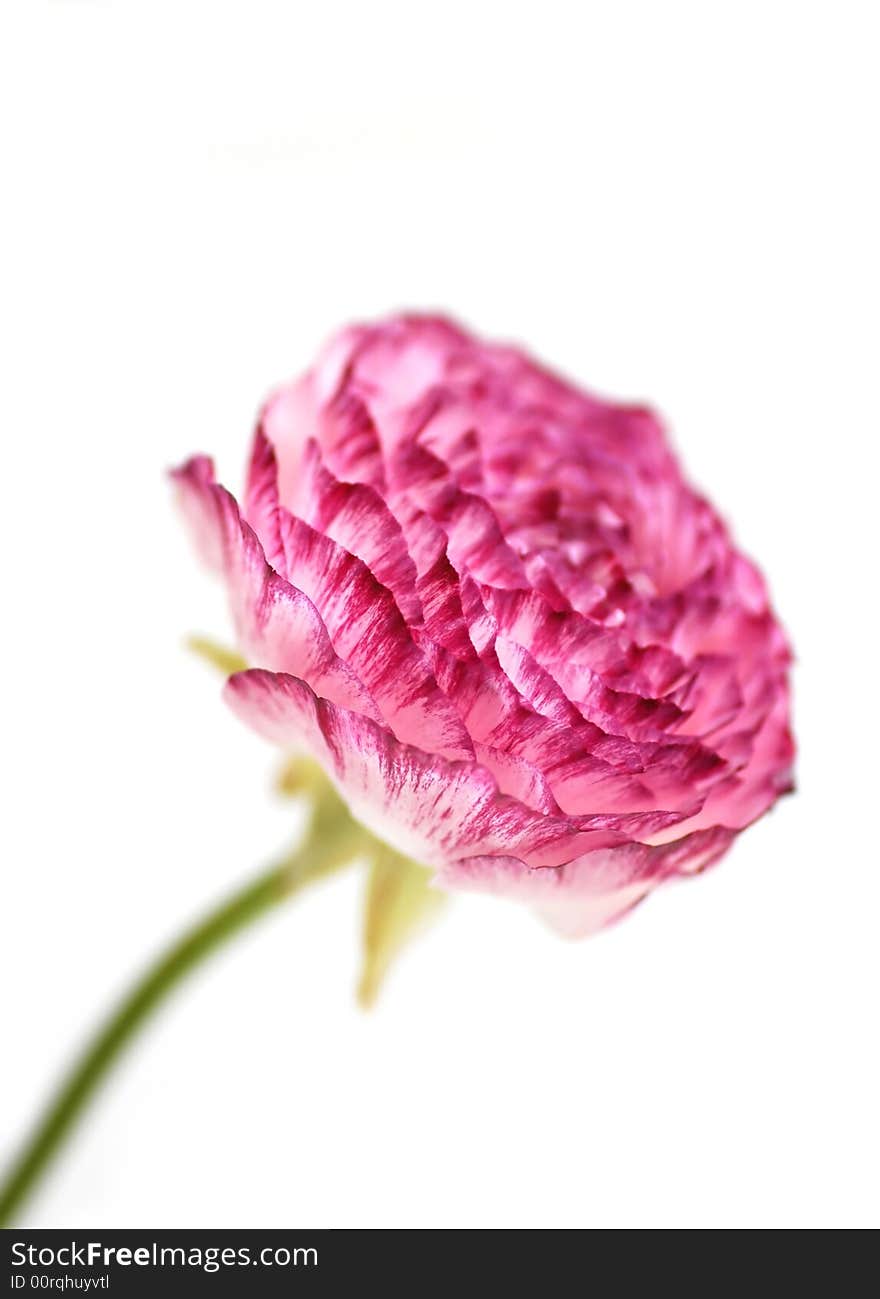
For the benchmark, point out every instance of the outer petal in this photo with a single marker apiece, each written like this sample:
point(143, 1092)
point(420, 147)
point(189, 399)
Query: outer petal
point(594, 890)
point(277, 626)
point(423, 805)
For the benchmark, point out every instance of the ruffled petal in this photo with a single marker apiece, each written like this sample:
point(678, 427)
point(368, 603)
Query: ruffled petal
point(277, 626)
point(594, 890)
point(368, 631)
point(425, 806)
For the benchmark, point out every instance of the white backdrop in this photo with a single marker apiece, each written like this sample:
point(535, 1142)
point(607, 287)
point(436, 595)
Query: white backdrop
point(672, 202)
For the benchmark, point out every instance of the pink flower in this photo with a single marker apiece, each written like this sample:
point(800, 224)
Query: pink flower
point(523, 648)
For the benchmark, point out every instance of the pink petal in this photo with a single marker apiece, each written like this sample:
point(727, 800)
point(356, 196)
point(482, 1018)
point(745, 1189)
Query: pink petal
point(276, 625)
point(424, 805)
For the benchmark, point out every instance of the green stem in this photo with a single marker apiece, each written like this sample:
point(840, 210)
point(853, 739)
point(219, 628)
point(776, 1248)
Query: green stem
point(148, 993)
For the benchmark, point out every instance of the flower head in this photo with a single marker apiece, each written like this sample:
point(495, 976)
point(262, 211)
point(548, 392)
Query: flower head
point(523, 648)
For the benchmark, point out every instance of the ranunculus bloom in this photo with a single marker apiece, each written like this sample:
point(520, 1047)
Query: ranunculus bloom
point(523, 648)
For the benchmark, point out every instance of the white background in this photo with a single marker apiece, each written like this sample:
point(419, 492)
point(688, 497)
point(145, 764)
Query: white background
point(673, 202)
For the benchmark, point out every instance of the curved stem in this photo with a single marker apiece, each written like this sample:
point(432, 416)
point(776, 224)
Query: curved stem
point(136, 1007)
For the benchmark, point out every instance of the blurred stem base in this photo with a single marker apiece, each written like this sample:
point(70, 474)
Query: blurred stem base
point(332, 842)
point(399, 899)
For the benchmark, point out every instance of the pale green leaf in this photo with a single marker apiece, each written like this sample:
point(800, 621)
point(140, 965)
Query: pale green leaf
point(219, 656)
point(400, 900)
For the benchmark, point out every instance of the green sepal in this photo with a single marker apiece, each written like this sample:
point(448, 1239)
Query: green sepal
point(228, 661)
point(399, 902)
